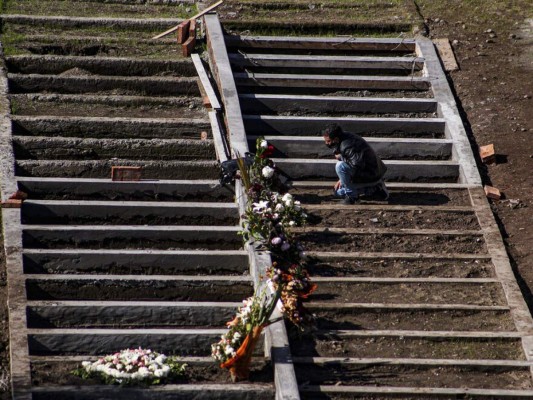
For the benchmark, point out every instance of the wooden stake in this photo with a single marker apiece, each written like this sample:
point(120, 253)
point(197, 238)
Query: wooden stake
point(192, 18)
point(183, 31)
point(188, 46)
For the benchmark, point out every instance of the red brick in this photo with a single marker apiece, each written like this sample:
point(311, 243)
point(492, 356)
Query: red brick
point(12, 203)
point(487, 154)
point(126, 173)
point(492, 192)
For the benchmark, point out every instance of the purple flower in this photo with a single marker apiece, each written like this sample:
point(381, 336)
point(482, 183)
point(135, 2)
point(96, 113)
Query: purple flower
point(276, 241)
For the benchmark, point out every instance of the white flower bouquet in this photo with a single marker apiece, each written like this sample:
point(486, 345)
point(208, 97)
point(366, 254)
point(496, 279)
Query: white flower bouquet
point(131, 367)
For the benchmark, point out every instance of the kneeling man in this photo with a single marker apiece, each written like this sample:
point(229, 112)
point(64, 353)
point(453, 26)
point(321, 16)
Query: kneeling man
point(359, 169)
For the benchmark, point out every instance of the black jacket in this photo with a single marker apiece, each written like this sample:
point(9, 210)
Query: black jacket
point(358, 154)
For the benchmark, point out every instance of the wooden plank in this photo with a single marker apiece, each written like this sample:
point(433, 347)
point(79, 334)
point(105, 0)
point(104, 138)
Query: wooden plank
point(221, 146)
point(188, 46)
point(312, 126)
point(221, 69)
point(306, 61)
point(422, 334)
point(417, 392)
point(400, 256)
point(332, 81)
point(446, 54)
point(192, 18)
point(206, 83)
point(413, 361)
point(409, 307)
point(183, 31)
point(255, 103)
point(331, 44)
point(386, 231)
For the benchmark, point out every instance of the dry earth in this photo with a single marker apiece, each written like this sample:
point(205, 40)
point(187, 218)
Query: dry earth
point(493, 43)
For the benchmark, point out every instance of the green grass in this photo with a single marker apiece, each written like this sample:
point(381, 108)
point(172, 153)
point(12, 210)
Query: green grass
point(97, 9)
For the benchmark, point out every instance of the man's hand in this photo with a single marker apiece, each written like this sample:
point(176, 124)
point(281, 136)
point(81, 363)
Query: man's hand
point(337, 185)
point(338, 156)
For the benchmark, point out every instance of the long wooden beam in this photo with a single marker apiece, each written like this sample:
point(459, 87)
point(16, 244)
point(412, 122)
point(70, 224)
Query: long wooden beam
point(201, 13)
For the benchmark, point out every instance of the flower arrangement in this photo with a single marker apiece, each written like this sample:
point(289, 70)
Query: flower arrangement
point(132, 366)
point(270, 214)
point(235, 347)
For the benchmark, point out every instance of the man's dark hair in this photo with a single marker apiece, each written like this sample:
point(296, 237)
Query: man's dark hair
point(332, 131)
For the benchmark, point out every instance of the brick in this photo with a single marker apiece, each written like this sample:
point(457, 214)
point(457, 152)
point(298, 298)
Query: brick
point(487, 154)
point(188, 46)
point(12, 203)
point(492, 193)
point(19, 195)
point(183, 31)
point(121, 173)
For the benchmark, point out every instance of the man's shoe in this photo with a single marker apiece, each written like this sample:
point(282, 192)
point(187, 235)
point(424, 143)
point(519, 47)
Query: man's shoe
point(349, 200)
point(382, 193)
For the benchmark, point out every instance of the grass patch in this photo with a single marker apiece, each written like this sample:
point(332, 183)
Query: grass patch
point(99, 9)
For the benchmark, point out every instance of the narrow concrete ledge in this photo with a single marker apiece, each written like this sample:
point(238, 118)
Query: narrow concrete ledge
point(413, 361)
point(312, 126)
point(386, 148)
point(405, 171)
point(415, 392)
point(254, 103)
point(422, 334)
point(314, 43)
point(305, 61)
point(331, 81)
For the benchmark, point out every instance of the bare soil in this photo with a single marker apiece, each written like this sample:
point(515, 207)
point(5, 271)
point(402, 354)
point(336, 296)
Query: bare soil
point(343, 374)
point(405, 347)
point(393, 219)
point(52, 374)
point(450, 197)
point(494, 89)
point(486, 294)
point(397, 268)
point(396, 243)
point(438, 320)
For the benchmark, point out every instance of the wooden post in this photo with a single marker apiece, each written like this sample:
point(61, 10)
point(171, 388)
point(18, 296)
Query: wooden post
point(183, 31)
